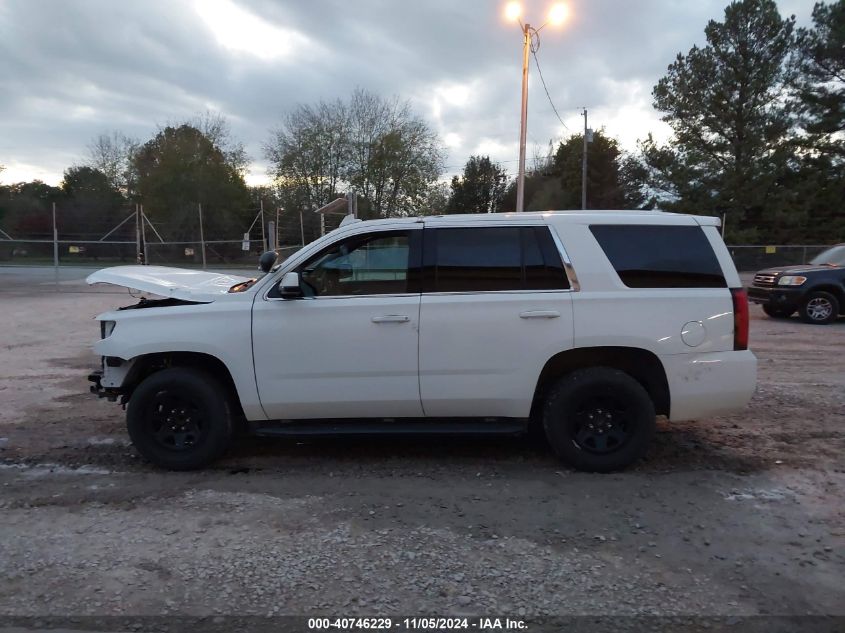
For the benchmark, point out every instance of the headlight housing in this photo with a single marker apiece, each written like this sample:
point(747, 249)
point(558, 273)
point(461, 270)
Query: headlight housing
point(106, 328)
point(791, 280)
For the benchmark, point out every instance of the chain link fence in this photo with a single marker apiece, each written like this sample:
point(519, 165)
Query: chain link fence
point(97, 253)
point(753, 258)
point(46, 237)
point(131, 237)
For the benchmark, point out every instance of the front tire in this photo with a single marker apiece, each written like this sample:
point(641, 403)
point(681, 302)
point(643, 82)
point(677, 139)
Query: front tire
point(819, 307)
point(778, 313)
point(180, 419)
point(599, 419)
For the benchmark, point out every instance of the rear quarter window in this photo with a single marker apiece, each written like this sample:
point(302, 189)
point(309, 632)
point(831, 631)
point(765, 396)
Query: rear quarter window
point(653, 256)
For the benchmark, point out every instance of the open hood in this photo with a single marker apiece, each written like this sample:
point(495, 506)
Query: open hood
point(179, 283)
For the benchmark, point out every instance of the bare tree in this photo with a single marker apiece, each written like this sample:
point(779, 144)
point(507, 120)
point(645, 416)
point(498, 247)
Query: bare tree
point(215, 127)
point(372, 145)
point(370, 121)
point(309, 151)
point(396, 155)
point(542, 161)
point(112, 154)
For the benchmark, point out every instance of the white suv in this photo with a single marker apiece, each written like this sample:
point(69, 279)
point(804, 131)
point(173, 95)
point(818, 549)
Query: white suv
point(587, 323)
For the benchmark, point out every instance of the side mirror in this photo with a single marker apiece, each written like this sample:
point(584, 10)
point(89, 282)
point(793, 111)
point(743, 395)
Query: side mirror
point(266, 261)
point(289, 286)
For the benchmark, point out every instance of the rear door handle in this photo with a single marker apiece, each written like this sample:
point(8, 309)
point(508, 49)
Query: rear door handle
point(539, 314)
point(391, 318)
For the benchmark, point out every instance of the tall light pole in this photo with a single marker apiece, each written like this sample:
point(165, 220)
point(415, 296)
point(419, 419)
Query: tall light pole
point(513, 11)
point(584, 165)
point(523, 120)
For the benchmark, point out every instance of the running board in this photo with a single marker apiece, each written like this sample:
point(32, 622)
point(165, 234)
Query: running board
point(398, 426)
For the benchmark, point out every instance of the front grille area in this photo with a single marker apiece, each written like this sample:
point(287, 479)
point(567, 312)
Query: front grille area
point(764, 280)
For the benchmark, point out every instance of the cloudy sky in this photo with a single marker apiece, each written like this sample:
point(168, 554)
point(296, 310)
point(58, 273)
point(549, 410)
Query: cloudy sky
point(72, 69)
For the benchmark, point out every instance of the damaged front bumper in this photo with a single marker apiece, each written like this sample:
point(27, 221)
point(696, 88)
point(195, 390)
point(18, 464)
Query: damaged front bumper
point(103, 392)
point(110, 380)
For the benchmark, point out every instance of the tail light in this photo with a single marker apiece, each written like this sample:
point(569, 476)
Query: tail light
point(740, 301)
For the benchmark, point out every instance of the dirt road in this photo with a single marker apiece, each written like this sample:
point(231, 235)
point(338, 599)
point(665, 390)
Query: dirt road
point(738, 515)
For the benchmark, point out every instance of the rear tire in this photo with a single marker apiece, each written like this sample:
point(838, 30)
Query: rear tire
point(819, 307)
point(778, 313)
point(180, 419)
point(599, 419)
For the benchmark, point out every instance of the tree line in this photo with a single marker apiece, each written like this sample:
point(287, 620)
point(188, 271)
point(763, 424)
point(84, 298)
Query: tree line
point(757, 117)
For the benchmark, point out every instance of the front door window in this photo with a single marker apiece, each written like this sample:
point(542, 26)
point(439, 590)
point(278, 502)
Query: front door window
point(362, 265)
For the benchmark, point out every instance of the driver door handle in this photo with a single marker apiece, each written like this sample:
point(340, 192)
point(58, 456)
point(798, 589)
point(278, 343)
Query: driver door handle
point(391, 318)
point(539, 314)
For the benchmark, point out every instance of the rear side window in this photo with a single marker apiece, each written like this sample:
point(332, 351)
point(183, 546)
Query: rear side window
point(649, 256)
point(492, 259)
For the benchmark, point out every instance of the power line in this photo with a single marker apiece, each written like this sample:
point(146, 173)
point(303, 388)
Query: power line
point(540, 72)
point(515, 160)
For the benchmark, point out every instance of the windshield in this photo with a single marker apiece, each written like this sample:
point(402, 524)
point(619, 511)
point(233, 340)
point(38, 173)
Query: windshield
point(833, 256)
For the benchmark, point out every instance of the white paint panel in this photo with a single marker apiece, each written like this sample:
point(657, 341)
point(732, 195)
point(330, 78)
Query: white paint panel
point(336, 357)
point(705, 385)
point(478, 357)
point(220, 329)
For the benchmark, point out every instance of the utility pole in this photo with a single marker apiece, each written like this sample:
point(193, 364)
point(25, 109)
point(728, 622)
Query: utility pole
point(202, 235)
point(138, 255)
point(523, 121)
point(263, 232)
point(584, 166)
point(557, 16)
point(144, 237)
point(55, 246)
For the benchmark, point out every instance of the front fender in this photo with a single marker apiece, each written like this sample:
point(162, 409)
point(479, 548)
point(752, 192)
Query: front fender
point(221, 329)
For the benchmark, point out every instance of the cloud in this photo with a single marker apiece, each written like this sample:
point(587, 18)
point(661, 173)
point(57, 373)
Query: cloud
point(240, 30)
point(100, 65)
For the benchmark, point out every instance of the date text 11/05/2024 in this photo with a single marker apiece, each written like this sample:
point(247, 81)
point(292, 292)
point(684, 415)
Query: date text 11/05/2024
point(417, 624)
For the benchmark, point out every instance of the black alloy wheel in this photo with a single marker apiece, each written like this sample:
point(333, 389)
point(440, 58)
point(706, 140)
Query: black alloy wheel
point(602, 425)
point(599, 419)
point(180, 418)
point(176, 422)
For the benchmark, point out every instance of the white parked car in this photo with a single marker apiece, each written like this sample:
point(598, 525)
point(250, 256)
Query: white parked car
point(587, 323)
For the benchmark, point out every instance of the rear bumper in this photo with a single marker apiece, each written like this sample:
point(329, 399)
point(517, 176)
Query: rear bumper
point(704, 385)
point(776, 296)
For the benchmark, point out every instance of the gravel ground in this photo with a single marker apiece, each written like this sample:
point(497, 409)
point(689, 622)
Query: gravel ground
point(731, 516)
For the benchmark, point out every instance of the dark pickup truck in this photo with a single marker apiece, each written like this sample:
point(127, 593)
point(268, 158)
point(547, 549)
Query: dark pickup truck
point(815, 290)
